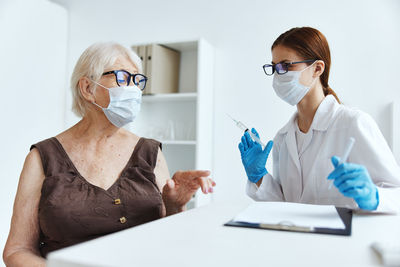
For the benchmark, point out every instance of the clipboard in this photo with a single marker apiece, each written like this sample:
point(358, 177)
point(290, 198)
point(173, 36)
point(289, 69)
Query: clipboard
point(345, 214)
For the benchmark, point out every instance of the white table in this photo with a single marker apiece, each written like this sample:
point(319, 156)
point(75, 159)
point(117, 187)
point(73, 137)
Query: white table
point(198, 238)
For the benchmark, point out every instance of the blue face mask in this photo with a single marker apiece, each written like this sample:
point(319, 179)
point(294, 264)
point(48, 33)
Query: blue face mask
point(124, 104)
point(288, 87)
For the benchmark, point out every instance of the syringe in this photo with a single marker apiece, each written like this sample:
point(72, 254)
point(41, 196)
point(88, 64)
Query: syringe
point(245, 129)
point(343, 159)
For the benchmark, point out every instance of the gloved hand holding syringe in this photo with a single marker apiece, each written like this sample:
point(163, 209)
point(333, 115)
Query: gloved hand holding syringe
point(245, 129)
point(254, 153)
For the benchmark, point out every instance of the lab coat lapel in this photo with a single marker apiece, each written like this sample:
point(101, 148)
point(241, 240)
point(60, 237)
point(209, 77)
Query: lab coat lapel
point(296, 178)
point(324, 117)
point(325, 114)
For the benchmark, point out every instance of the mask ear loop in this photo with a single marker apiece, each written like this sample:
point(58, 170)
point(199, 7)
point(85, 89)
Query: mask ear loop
point(314, 79)
point(318, 76)
point(308, 66)
point(94, 90)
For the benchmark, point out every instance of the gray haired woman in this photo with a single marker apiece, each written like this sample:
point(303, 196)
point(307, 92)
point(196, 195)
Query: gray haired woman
point(96, 177)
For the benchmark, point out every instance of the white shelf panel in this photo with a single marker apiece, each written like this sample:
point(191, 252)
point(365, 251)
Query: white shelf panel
point(183, 46)
point(179, 142)
point(180, 158)
point(170, 97)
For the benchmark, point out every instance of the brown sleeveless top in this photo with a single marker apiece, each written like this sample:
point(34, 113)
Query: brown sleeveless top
point(72, 210)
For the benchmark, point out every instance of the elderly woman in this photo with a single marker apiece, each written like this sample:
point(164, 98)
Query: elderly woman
point(95, 178)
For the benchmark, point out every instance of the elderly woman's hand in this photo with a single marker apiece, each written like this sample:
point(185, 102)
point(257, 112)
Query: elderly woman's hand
point(180, 189)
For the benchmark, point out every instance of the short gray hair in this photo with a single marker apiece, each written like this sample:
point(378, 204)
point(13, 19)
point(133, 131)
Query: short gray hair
point(92, 63)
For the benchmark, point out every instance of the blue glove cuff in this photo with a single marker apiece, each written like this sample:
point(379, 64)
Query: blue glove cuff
point(256, 178)
point(377, 199)
point(366, 204)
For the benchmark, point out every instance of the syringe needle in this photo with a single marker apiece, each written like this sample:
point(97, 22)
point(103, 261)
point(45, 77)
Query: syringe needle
point(231, 118)
point(239, 124)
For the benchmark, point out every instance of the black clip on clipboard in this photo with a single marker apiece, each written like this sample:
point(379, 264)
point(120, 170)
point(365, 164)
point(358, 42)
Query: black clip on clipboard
point(345, 214)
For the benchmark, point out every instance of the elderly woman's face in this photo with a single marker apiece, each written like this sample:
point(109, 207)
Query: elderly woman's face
point(101, 94)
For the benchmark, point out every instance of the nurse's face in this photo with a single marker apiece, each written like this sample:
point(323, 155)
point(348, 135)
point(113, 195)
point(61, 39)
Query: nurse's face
point(282, 54)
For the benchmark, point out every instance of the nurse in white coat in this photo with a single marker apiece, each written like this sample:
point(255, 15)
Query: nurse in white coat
point(306, 149)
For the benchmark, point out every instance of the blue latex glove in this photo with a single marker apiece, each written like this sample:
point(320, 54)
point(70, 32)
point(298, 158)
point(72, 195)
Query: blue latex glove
point(254, 157)
point(353, 180)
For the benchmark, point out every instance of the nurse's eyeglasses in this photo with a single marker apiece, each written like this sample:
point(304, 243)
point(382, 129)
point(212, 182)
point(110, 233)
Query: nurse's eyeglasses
point(282, 67)
point(123, 78)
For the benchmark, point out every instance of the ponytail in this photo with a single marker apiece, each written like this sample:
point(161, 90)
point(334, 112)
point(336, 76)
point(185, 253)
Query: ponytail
point(329, 91)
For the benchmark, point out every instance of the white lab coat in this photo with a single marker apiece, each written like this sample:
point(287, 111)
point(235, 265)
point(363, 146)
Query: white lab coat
point(304, 179)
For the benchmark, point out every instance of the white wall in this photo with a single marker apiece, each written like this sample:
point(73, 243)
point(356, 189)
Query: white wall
point(363, 35)
point(32, 78)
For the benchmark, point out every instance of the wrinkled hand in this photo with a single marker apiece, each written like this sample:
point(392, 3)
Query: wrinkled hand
point(180, 189)
point(254, 157)
point(353, 180)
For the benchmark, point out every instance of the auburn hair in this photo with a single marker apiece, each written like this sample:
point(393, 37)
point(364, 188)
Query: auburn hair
point(309, 43)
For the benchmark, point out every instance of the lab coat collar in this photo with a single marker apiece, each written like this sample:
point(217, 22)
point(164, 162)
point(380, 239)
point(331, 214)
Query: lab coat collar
point(322, 118)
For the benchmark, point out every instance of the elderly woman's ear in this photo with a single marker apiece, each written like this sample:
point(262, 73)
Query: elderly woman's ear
point(86, 90)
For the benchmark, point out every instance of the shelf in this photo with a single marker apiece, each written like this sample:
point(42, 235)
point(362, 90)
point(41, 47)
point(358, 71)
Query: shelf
point(183, 46)
point(181, 120)
point(179, 142)
point(170, 97)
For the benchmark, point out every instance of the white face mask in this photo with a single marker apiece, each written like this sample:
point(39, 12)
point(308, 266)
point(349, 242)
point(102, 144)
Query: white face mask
point(124, 104)
point(288, 87)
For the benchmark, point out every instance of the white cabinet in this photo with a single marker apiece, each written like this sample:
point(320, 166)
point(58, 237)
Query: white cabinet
point(183, 121)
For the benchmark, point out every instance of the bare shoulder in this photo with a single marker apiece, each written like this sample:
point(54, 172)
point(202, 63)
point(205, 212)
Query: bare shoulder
point(161, 170)
point(160, 157)
point(33, 160)
point(66, 136)
point(129, 136)
point(32, 171)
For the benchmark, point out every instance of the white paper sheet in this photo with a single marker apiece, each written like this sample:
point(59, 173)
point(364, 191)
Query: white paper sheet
point(302, 215)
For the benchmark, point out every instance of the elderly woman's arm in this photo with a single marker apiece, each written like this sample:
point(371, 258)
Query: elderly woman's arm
point(179, 190)
point(22, 247)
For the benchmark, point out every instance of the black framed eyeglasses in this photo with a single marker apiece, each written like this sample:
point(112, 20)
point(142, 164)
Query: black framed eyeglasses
point(282, 67)
point(123, 78)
